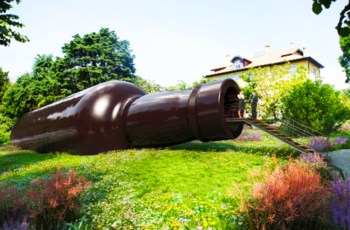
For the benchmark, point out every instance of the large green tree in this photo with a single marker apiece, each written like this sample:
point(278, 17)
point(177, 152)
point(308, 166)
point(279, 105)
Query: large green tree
point(32, 90)
point(344, 60)
point(317, 105)
point(93, 59)
point(43, 77)
point(271, 84)
point(343, 23)
point(7, 21)
point(20, 98)
point(4, 83)
point(89, 60)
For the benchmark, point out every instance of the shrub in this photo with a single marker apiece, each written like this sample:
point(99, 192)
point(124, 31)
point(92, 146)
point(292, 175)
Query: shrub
point(47, 205)
point(56, 200)
point(340, 140)
point(247, 127)
point(316, 105)
point(249, 137)
point(340, 203)
point(11, 205)
point(345, 127)
point(291, 197)
point(18, 225)
point(320, 143)
point(311, 158)
point(6, 125)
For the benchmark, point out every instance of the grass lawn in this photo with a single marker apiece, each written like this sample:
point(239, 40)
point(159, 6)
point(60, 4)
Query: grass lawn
point(187, 185)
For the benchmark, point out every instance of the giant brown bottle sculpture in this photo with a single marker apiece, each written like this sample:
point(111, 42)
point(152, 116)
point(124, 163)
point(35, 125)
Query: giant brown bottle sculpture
point(119, 115)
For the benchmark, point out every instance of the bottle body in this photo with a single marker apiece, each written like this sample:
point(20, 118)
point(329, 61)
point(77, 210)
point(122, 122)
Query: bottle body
point(119, 115)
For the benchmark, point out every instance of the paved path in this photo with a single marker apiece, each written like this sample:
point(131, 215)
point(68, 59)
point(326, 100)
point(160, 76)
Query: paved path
point(341, 159)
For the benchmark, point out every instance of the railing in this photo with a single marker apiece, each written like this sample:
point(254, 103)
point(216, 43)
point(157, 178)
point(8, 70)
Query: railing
point(299, 129)
point(231, 108)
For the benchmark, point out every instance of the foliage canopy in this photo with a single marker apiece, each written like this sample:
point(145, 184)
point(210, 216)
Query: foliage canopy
point(4, 83)
point(6, 22)
point(88, 61)
point(344, 60)
point(271, 84)
point(317, 105)
point(93, 59)
point(343, 23)
point(181, 85)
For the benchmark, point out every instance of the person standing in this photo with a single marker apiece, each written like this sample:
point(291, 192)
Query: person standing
point(254, 101)
point(241, 104)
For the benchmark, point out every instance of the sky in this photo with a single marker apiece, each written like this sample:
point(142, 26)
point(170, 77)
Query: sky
point(179, 40)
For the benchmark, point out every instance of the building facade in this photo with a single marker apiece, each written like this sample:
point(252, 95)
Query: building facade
point(237, 65)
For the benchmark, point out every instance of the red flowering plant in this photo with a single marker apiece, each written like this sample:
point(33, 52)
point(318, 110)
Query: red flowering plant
point(12, 206)
point(290, 197)
point(56, 200)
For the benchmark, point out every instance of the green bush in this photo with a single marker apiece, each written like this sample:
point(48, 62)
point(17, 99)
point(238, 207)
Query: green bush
point(317, 105)
point(6, 125)
point(269, 121)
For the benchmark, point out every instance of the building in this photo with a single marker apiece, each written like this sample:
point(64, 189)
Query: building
point(237, 65)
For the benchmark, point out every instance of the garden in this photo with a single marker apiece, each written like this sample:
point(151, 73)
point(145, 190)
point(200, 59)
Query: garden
point(254, 182)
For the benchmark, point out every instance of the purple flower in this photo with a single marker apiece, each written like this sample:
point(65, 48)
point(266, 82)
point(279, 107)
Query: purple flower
point(244, 137)
point(340, 203)
point(311, 158)
point(340, 140)
point(17, 224)
point(319, 143)
point(256, 136)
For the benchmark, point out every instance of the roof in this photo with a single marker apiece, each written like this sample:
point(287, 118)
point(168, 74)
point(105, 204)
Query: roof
point(268, 59)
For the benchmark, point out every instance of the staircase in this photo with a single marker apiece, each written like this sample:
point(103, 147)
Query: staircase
point(298, 129)
point(272, 131)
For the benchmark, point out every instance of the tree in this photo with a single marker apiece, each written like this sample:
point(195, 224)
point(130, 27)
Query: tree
point(347, 92)
point(270, 85)
point(93, 59)
point(344, 60)
point(19, 99)
point(149, 86)
point(43, 65)
point(317, 105)
point(43, 77)
point(343, 23)
point(181, 85)
point(4, 83)
point(6, 22)
point(32, 91)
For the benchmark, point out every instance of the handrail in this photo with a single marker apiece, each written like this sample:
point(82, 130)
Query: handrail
point(299, 123)
point(287, 122)
point(298, 129)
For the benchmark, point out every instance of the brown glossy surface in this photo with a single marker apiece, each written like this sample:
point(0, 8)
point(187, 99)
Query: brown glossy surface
point(119, 115)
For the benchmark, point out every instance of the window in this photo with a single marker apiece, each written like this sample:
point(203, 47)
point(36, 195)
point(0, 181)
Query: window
point(314, 70)
point(237, 63)
point(293, 69)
